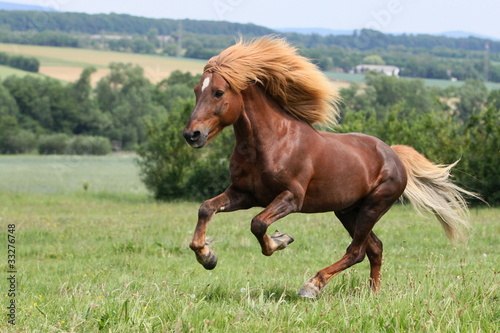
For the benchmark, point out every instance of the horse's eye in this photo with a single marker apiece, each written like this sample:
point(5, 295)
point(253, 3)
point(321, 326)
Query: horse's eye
point(218, 93)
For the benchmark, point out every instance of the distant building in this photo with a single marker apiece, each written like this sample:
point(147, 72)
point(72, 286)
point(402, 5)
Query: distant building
point(387, 70)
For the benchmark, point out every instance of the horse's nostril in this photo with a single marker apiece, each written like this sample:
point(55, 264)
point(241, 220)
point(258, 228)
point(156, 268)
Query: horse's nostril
point(195, 135)
point(191, 136)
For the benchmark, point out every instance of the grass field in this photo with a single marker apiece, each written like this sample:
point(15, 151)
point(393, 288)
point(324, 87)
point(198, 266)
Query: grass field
point(66, 63)
point(111, 259)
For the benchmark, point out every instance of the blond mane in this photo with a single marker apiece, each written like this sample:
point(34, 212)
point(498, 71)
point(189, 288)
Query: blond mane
point(297, 84)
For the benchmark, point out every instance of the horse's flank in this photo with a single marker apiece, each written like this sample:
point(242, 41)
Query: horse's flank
point(297, 84)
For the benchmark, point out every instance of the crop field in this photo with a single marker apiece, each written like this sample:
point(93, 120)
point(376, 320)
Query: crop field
point(66, 63)
point(106, 257)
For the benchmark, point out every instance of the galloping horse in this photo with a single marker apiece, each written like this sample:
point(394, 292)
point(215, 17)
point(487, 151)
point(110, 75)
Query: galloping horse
point(272, 96)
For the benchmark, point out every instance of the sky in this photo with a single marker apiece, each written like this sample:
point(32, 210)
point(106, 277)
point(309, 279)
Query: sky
point(390, 16)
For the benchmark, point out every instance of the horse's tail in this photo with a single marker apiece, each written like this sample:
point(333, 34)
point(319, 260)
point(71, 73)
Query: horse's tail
point(429, 189)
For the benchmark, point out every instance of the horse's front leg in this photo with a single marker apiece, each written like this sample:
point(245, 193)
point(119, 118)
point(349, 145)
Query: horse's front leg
point(284, 204)
point(228, 201)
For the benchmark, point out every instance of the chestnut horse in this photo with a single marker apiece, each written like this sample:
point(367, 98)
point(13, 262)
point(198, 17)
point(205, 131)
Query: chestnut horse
point(272, 96)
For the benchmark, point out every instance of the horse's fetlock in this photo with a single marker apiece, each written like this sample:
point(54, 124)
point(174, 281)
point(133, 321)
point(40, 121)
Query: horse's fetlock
point(195, 246)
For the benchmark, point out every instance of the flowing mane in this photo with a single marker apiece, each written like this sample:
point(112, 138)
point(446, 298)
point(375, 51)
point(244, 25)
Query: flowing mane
point(297, 84)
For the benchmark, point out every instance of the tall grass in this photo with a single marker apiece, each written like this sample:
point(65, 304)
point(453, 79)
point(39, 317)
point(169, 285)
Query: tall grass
point(120, 262)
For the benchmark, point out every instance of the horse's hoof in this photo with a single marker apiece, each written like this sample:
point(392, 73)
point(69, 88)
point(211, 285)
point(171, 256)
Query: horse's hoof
point(308, 290)
point(208, 261)
point(281, 240)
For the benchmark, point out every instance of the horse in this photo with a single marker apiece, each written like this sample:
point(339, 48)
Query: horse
point(272, 96)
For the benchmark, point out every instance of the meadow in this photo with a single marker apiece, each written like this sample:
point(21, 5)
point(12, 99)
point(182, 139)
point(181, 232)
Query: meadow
point(106, 257)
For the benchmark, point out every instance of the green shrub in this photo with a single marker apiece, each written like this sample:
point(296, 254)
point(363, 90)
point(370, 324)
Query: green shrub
point(165, 158)
point(54, 144)
point(18, 142)
point(88, 145)
point(173, 170)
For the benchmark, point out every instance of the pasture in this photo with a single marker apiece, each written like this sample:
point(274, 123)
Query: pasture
point(109, 258)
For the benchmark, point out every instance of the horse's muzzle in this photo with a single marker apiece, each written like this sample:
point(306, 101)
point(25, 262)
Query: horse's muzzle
point(196, 139)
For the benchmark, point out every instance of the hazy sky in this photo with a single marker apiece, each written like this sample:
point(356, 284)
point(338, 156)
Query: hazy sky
point(393, 16)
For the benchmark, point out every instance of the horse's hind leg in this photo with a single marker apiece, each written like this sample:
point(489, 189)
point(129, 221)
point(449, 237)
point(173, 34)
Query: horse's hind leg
point(370, 211)
point(374, 247)
point(374, 253)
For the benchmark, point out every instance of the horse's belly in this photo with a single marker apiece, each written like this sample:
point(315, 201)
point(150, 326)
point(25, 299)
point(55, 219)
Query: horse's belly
point(329, 202)
point(336, 193)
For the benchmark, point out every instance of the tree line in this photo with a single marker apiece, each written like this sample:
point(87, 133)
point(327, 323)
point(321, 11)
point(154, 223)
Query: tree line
point(364, 39)
point(29, 64)
point(118, 23)
point(425, 56)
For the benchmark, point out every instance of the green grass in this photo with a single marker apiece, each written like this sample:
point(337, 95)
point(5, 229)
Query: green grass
point(6, 71)
point(117, 261)
point(70, 173)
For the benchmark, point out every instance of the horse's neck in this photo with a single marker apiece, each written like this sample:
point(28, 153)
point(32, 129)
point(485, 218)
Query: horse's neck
point(262, 120)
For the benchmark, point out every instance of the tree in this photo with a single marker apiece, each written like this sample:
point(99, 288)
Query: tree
point(165, 159)
point(125, 95)
point(373, 60)
point(482, 158)
point(472, 99)
point(91, 120)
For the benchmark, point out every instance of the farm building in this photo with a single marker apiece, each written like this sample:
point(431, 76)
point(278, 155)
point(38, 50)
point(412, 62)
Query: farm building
point(387, 70)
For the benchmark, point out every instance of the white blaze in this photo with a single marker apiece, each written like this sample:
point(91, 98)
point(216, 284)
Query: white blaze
point(206, 82)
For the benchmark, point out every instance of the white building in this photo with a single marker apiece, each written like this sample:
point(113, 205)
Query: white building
point(387, 70)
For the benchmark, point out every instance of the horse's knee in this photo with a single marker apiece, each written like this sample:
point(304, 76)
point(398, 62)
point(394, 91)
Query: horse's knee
point(205, 212)
point(258, 227)
point(355, 255)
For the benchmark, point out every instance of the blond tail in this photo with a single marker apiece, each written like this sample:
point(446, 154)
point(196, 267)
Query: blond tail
point(429, 189)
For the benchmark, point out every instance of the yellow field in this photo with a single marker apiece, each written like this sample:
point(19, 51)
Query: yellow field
point(67, 63)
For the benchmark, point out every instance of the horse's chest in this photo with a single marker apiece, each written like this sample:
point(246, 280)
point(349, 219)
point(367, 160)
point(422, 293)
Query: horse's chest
point(255, 177)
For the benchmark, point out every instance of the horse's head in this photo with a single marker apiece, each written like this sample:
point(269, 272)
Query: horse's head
point(217, 106)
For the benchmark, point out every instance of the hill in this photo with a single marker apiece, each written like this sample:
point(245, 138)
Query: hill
point(122, 23)
point(9, 6)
